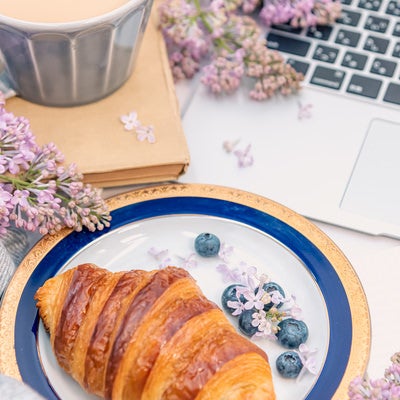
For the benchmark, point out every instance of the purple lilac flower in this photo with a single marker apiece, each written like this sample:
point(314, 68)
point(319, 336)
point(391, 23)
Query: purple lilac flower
point(130, 121)
point(250, 295)
point(186, 42)
point(189, 261)
point(253, 300)
point(162, 256)
point(276, 297)
point(229, 274)
point(249, 6)
point(229, 45)
point(244, 157)
point(225, 252)
point(307, 357)
point(276, 12)
point(224, 74)
point(37, 192)
point(385, 388)
point(327, 11)
point(237, 306)
point(392, 373)
point(299, 13)
point(229, 145)
point(146, 133)
point(304, 111)
point(259, 318)
point(265, 325)
point(294, 309)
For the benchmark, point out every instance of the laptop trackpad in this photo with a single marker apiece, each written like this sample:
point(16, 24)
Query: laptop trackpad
point(374, 187)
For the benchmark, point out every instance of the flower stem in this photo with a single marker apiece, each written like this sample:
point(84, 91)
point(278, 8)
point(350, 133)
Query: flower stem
point(219, 42)
point(16, 182)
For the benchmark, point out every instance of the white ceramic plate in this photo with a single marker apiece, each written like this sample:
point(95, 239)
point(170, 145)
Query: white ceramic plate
point(278, 242)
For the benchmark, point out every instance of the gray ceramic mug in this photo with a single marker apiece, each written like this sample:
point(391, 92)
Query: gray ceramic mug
point(71, 63)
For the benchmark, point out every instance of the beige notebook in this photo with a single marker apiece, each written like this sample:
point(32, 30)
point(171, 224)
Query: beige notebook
point(93, 137)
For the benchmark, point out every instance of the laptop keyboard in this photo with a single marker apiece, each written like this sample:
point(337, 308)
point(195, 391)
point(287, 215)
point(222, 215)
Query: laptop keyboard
point(359, 56)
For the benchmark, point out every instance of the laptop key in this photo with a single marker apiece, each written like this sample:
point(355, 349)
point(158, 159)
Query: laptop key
point(363, 86)
point(383, 67)
point(299, 66)
point(376, 24)
point(350, 18)
point(372, 5)
point(396, 50)
point(328, 77)
point(393, 8)
point(347, 38)
point(287, 45)
point(321, 32)
point(376, 44)
point(325, 54)
point(354, 60)
point(392, 94)
point(396, 29)
point(287, 28)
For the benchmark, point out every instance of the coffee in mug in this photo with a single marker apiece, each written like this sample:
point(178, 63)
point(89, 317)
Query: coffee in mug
point(59, 59)
point(57, 10)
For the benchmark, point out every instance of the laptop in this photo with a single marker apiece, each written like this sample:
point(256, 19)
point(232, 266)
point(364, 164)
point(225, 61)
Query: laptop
point(330, 152)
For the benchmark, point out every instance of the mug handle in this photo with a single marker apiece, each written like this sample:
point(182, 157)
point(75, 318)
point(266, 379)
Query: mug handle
point(5, 82)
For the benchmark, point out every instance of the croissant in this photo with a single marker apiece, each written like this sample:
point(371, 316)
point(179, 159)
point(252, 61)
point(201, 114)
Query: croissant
point(148, 335)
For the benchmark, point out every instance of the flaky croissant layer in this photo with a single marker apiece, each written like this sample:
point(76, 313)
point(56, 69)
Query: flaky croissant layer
point(148, 335)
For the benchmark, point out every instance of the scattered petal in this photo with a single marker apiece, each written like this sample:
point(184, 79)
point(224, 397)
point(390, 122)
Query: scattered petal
point(308, 360)
point(158, 254)
point(304, 111)
point(229, 145)
point(228, 274)
point(245, 158)
point(188, 262)
point(293, 308)
point(145, 133)
point(161, 256)
point(238, 307)
point(225, 252)
point(130, 121)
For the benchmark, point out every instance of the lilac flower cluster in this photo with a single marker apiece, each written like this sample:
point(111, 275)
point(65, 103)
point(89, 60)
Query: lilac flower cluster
point(215, 35)
point(299, 13)
point(251, 295)
point(386, 388)
point(195, 33)
point(37, 192)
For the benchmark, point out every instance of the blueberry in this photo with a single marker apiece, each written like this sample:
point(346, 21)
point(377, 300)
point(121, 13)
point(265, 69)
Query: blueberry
point(207, 244)
point(271, 287)
point(292, 333)
point(229, 294)
point(289, 364)
point(245, 326)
